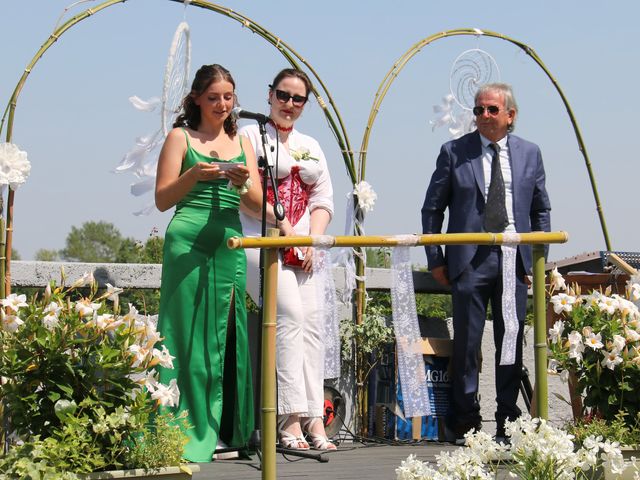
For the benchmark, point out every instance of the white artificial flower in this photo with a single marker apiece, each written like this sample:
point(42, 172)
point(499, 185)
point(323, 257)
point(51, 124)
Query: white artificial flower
point(14, 302)
point(562, 302)
point(555, 333)
point(593, 340)
point(167, 396)
point(634, 291)
point(14, 165)
point(10, 323)
point(557, 280)
point(366, 196)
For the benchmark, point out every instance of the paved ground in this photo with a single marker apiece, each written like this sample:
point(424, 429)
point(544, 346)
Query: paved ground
point(352, 461)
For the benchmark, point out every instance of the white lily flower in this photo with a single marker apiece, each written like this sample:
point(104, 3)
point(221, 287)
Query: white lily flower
point(594, 340)
point(86, 308)
point(557, 280)
point(167, 396)
point(14, 302)
point(608, 304)
point(113, 292)
point(86, 279)
point(611, 359)
point(562, 302)
point(139, 354)
point(619, 342)
point(165, 359)
point(10, 323)
point(555, 333)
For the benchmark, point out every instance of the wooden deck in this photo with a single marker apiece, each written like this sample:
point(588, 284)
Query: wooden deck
point(371, 461)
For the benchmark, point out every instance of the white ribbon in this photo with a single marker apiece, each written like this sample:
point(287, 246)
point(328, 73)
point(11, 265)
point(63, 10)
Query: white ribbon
point(326, 296)
point(411, 367)
point(509, 311)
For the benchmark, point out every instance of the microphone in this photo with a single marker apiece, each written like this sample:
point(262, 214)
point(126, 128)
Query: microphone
point(241, 113)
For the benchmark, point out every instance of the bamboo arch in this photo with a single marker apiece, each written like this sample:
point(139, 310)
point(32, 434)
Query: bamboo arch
point(416, 48)
point(294, 58)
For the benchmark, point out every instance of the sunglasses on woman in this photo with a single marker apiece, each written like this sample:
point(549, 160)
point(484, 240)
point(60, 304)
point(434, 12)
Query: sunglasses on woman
point(298, 100)
point(492, 109)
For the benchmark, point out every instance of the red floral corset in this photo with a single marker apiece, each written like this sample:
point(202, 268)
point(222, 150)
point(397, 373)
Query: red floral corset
point(293, 194)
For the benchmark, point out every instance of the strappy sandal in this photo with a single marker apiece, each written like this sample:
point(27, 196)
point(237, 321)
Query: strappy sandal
point(288, 440)
point(319, 441)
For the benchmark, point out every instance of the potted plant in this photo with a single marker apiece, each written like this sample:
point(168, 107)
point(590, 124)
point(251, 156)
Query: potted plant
point(597, 338)
point(595, 342)
point(79, 387)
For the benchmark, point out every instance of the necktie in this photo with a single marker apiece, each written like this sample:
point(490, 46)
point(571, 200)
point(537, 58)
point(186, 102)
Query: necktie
point(495, 210)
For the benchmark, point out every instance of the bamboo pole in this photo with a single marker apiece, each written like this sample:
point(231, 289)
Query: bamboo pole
point(532, 238)
point(268, 372)
point(540, 332)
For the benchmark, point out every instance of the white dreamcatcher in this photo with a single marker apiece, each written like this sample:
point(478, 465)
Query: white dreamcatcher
point(142, 159)
point(470, 69)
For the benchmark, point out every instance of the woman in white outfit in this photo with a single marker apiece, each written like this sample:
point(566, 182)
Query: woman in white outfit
point(305, 191)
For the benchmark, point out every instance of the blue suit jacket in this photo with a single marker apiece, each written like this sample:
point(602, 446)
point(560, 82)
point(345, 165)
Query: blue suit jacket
point(458, 184)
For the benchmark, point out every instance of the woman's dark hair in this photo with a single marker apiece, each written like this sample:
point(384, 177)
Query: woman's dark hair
point(292, 72)
point(205, 76)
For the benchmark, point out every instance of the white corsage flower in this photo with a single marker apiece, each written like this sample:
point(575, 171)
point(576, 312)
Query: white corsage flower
point(14, 165)
point(302, 153)
point(366, 196)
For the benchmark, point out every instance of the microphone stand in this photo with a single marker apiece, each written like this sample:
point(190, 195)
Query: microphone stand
point(266, 163)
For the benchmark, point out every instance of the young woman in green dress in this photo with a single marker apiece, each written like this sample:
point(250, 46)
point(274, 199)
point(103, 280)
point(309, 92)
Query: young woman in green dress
point(206, 170)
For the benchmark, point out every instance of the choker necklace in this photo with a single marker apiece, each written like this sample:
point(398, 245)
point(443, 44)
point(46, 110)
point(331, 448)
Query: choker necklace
point(282, 129)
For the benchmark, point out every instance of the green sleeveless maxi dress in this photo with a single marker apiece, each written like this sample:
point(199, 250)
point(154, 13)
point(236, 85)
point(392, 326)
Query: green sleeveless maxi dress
point(201, 281)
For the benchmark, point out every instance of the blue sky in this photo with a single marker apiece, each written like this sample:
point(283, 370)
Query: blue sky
point(74, 120)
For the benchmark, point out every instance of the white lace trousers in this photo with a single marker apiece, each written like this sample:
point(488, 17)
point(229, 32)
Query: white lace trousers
point(299, 338)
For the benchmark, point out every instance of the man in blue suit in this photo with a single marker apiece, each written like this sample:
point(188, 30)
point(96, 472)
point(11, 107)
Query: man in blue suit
point(481, 197)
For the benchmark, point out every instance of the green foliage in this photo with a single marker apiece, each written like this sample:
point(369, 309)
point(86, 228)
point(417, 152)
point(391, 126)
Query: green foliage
point(434, 306)
point(45, 255)
point(93, 242)
point(160, 443)
point(623, 430)
point(74, 370)
point(15, 255)
point(378, 257)
point(34, 460)
point(368, 337)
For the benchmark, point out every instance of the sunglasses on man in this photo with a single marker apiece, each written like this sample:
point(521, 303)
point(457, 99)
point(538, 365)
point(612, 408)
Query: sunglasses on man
point(492, 109)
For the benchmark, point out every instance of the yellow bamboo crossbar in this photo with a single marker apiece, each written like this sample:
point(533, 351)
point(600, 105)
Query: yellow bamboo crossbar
point(533, 238)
